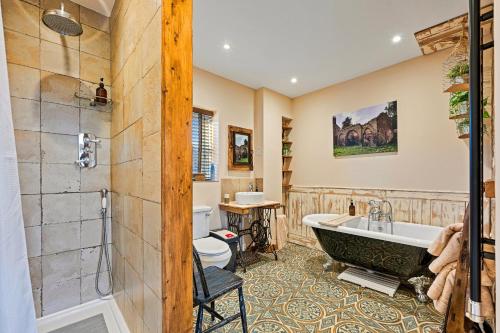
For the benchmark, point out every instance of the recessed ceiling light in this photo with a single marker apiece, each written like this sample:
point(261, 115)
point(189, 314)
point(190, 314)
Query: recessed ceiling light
point(396, 39)
point(226, 46)
point(293, 80)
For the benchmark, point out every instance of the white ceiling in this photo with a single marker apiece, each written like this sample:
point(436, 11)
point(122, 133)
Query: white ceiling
point(321, 42)
point(101, 6)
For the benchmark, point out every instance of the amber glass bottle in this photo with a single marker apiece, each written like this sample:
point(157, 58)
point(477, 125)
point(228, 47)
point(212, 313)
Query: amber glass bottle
point(101, 93)
point(352, 209)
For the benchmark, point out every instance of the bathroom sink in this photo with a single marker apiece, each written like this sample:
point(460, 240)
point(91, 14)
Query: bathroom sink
point(249, 198)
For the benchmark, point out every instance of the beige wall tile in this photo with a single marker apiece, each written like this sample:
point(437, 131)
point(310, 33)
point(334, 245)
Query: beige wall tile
point(59, 89)
point(33, 241)
point(95, 42)
point(117, 114)
point(133, 141)
point(118, 265)
point(57, 178)
point(25, 114)
point(60, 295)
point(32, 210)
point(152, 101)
point(117, 207)
point(88, 292)
point(91, 234)
point(24, 82)
point(22, 49)
point(35, 265)
point(118, 149)
point(152, 311)
point(134, 288)
point(27, 146)
point(89, 258)
point(103, 152)
point(151, 44)
point(151, 219)
point(37, 299)
point(61, 207)
point(58, 148)
point(60, 237)
point(131, 178)
point(152, 268)
point(29, 177)
point(132, 214)
point(152, 168)
point(131, 72)
point(93, 19)
point(96, 178)
point(93, 68)
point(59, 59)
point(62, 119)
point(90, 206)
point(21, 17)
point(133, 106)
point(95, 122)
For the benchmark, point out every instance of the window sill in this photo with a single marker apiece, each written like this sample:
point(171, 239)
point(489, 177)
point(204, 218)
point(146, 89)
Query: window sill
point(205, 181)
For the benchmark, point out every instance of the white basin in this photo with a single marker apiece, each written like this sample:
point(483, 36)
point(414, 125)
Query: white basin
point(249, 198)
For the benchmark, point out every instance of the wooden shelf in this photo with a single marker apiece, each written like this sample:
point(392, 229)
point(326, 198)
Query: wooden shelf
point(286, 186)
point(460, 116)
point(287, 142)
point(458, 87)
point(286, 127)
point(286, 171)
point(464, 136)
point(287, 156)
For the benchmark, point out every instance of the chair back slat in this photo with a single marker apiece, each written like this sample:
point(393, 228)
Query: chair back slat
point(199, 268)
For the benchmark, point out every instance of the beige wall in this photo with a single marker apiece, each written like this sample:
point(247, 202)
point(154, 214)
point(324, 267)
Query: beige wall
point(135, 157)
point(61, 205)
point(430, 156)
point(233, 104)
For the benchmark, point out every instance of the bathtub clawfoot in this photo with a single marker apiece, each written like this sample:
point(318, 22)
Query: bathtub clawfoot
point(328, 265)
point(421, 283)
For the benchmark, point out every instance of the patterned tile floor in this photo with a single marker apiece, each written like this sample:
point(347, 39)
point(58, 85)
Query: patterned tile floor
point(293, 294)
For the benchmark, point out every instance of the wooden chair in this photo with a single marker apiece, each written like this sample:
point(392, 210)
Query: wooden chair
point(209, 284)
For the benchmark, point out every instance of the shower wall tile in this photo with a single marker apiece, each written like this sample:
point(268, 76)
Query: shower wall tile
point(152, 310)
point(27, 146)
point(134, 252)
point(61, 267)
point(32, 210)
point(90, 206)
point(152, 101)
point(60, 295)
point(95, 20)
point(22, 49)
point(25, 114)
point(60, 208)
point(35, 265)
point(33, 241)
point(152, 168)
point(37, 299)
point(134, 288)
point(60, 89)
point(60, 237)
point(91, 233)
point(133, 141)
point(96, 178)
point(133, 105)
point(95, 122)
point(149, 47)
point(152, 223)
point(89, 260)
point(29, 177)
point(95, 42)
point(21, 17)
point(62, 119)
point(57, 148)
point(24, 82)
point(132, 214)
point(152, 268)
point(57, 178)
point(58, 59)
point(88, 292)
point(94, 68)
point(103, 152)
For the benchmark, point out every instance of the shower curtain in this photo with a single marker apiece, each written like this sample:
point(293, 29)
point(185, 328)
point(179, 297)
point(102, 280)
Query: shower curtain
point(17, 312)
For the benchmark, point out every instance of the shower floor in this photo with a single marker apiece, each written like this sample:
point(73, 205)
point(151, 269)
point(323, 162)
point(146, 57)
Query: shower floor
point(95, 324)
point(293, 294)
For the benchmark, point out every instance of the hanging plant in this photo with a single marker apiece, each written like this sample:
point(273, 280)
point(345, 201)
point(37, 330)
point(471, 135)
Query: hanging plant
point(459, 73)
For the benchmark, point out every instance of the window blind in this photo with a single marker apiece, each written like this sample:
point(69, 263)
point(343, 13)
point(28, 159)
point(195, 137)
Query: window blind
point(204, 144)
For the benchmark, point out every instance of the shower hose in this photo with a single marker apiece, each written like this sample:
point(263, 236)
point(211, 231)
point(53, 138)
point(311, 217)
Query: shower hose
point(104, 251)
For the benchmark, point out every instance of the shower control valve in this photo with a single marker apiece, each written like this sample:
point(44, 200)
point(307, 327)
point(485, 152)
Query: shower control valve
point(87, 150)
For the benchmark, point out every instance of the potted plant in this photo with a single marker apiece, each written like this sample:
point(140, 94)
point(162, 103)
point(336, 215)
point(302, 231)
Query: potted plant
point(459, 73)
point(459, 103)
point(463, 123)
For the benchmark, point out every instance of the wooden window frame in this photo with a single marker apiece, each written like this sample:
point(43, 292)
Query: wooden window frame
point(200, 143)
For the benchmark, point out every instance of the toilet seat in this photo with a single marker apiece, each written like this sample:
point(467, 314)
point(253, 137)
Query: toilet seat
point(210, 246)
point(213, 252)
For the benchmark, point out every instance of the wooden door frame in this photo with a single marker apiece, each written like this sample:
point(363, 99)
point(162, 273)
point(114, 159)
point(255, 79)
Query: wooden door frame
point(176, 166)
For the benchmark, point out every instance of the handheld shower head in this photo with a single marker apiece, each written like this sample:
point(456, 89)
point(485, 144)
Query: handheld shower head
point(61, 22)
point(104, 198)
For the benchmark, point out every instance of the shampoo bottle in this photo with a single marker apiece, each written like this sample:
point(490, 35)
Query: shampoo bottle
point(101, 93)
point(352, 209)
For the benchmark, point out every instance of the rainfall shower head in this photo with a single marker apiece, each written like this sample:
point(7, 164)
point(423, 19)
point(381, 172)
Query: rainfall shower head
point(61, 22)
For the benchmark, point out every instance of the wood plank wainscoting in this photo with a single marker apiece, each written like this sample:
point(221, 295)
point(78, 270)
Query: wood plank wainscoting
point(176, 166)
point(422, 207)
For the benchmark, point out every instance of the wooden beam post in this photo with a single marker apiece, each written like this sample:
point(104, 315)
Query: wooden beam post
point(176, 168)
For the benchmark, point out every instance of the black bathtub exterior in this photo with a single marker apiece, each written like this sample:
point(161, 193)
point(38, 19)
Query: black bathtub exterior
point(401, 260)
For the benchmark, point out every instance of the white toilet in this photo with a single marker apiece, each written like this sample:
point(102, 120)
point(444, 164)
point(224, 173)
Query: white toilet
point(212, 251)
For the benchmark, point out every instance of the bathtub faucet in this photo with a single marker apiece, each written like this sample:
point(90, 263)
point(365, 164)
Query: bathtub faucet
point(380, 211)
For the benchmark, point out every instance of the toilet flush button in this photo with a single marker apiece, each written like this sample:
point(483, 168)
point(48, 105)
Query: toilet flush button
point(229, 235)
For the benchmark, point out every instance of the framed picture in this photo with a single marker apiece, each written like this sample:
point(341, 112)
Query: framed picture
point(240, 151)
point(369, 130)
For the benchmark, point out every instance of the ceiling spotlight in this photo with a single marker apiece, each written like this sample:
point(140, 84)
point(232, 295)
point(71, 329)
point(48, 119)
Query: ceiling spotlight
point(226, 46)
point(396, 39)
point(293, 80)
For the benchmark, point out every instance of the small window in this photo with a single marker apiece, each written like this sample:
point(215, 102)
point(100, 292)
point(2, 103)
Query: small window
point(204, 138)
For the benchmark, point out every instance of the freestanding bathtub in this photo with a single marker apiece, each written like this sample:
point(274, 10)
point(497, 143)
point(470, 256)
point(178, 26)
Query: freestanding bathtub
point(402, 254)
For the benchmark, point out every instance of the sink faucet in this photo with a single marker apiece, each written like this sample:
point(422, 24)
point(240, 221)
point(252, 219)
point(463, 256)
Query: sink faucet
point(250, 187)
point(380, 211)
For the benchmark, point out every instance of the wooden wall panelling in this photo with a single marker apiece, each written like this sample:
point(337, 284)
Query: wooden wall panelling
point(176, 166)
